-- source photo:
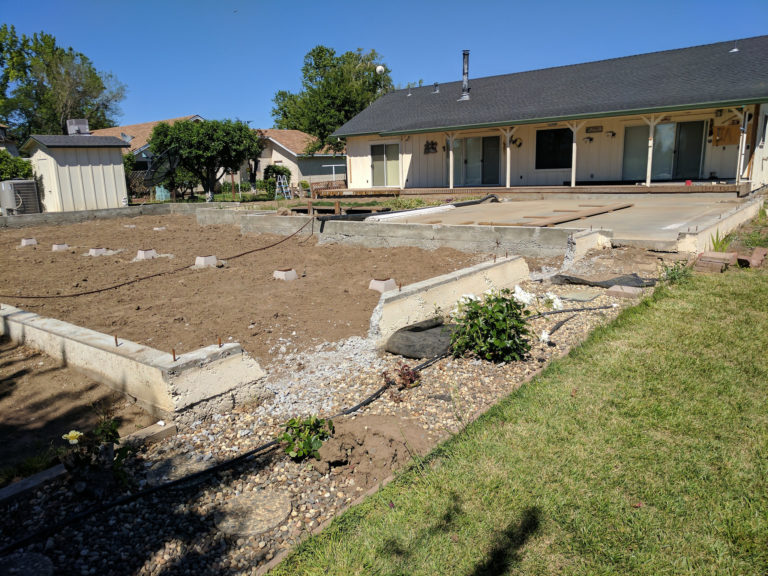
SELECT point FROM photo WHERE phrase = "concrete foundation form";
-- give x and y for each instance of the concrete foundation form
(416, 302)
(190, 386)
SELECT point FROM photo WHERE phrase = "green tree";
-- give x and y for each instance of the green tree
(42, 85)
(208, 148)
(13, 167)
(334, 89)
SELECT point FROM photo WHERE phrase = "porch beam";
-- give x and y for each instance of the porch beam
(575, 127)
(507, 133)
(652, 121)
(451, 136)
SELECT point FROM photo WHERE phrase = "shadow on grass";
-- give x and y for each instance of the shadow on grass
(505, 550)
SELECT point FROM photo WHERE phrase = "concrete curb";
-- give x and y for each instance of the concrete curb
(699, 241)
(201, 381)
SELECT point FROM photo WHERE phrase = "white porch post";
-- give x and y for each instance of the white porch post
(743, 117)
(507, 133)
(574, 129)
(652, 121)
(451, 136)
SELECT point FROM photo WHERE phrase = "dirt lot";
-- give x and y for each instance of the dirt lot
(192, 308)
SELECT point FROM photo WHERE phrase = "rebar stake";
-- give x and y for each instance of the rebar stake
(116, 344)
(219, 341)
(173, 351)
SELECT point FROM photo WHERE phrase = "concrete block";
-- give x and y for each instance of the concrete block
(205, 262)
(59, 248)
(286, 274)
(382, 285)
(704, 266)
(150, 434)
(97, 251)
(146, 254)
(158, 228)
(28, 242)
(729, 258)
(624, 291)
(129, 225)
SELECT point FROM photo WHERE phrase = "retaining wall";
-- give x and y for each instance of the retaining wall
(416, 302)
(701, 240)
(200, 382)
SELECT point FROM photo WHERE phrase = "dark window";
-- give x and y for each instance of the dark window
(553, 148)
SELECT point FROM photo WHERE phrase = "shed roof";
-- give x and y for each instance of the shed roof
(74, 141)
(701, 76)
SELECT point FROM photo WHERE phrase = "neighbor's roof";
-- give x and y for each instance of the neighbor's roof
(139, 132)
(75, 141)
(687, 78)
(294, 141)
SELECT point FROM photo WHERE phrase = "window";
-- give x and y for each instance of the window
(553, 149)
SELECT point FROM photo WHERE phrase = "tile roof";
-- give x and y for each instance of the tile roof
(709, 75)
(294, 140)
(79, 141)
(140, 132)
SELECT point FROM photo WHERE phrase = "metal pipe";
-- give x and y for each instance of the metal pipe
(465, 77)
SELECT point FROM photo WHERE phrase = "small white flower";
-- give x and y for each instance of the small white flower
(554, 299)
(523, 297)
(468, 298)
(544, 337)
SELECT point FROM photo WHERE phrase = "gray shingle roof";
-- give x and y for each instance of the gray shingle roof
(684, 78)
(78, 141)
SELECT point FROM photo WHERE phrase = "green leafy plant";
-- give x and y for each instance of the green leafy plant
(404, 377)
(493, 329)
(676, 273)
(720, 243)
(304, 438)
(91, 454)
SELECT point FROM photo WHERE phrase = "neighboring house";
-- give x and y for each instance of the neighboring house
(695, 113)
(137, 136)
(287, 148)
(6, 142)
(78, 172)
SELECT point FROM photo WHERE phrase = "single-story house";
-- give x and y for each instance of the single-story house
(696, 113)
(287, 148)
(6, 142)
(78, 172)
(137, 136)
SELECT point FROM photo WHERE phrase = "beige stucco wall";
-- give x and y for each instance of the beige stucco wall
(80, 178)
(600, 159)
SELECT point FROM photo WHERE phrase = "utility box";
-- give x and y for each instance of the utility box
(19, 197)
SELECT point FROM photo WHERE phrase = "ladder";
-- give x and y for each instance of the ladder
(281, 187)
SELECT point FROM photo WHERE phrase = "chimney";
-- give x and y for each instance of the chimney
(78, 127)
(465, 77)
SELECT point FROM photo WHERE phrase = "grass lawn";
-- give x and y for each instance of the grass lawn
(645, 451)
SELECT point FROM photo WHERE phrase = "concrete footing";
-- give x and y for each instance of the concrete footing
(28, 242)
(382, 285)
(205, 262)
(146, 254)
(97, 251)
(286, 274)
(417, 302)
(198, 383)
(59, 248)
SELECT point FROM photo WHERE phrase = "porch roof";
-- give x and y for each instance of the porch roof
(708, 76)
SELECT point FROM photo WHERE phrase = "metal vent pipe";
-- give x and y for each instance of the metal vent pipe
(465, 77)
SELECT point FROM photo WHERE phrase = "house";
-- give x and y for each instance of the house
(78, 172)
(7, 142)
(690, 114)
(137, 136)
(287, 148)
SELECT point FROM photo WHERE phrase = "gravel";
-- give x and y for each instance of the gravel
(174, 531)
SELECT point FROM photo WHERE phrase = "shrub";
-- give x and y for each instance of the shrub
(12, 167)
(304, 438)
(272, 171)
(304, 185)
(493, 329)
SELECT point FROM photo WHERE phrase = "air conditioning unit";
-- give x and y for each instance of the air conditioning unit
(19, 197)
(78, 126)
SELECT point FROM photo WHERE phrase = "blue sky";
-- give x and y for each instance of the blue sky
(226, 59)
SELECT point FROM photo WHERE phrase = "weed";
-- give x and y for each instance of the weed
(304, 438)
(720, 243)
(676, 273)
(405, 377)
(493, 329)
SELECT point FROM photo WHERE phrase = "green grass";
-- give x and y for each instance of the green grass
(645, 451)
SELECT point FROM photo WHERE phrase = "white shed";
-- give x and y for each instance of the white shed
(78, 172)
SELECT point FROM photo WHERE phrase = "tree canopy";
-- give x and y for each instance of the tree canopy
(208, 148)
(42, 85)
(334, 89)
(12, 167)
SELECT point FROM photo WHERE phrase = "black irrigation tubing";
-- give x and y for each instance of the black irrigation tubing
(136, 280)
(551, 312)
(560, 324)
(250, 454)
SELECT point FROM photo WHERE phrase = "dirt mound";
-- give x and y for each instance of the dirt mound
(374, 446)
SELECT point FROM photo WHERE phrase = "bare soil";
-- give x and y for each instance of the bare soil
(40, 400)
(192, 308)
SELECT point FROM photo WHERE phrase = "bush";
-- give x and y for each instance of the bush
(272, 171)
(12, 167)
(305, 437)
(304, 185)
(493, 329)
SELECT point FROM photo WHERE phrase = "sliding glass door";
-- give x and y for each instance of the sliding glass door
(677, 151)
(385, 165)
(475, 161)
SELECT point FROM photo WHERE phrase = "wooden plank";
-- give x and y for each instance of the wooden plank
(580, 215)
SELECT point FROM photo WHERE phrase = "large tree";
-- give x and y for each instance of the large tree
(42, 85)
(208, 148)
(334, 89)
